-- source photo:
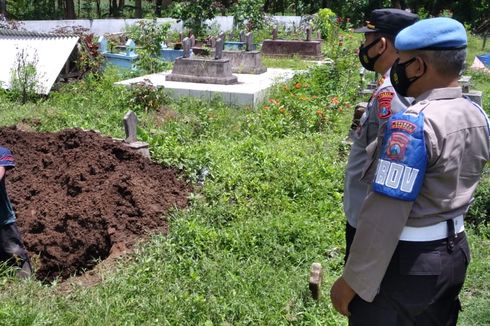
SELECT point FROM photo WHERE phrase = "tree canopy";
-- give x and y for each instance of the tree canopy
(472, 12)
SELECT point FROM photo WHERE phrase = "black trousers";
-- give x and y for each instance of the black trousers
(12, 250)
(350, 232)
(420, 287)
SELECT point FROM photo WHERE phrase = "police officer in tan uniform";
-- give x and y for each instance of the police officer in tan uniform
(376, 54)
(409, 256)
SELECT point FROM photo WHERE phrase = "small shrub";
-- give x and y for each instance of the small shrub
(144, 96)
(24, 78)
(149, 36)
(249, 14)
(479, 213)
(325, 22)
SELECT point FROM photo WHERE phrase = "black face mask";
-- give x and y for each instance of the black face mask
(398, 76)
(366, 61)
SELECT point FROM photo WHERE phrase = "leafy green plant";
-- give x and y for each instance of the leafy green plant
(149, 37)
(147, 97)
(24, 79)
(249, 14)
(479, 213)
(195, 13)
(324, 20)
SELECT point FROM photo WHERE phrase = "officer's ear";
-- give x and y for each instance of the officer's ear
(421, 66)
(383, 44)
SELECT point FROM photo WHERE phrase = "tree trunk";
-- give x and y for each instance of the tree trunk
(61, 6)
(97, 5)
(158, 7)
(115, 9)
(120, 6)
(3, 8)
(70, 9)
(396, 4)
(138, 10)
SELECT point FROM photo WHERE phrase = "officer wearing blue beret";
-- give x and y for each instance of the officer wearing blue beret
(409, 256)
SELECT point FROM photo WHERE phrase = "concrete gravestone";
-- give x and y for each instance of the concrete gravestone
(130, 122)
(219, 49)
(186, 44)
(242, 37)
(203, 70)
(274, 33)
(287, 48)
(308, 34)
(249, 41)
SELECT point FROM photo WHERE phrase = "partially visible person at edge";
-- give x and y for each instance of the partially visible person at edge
(376, 54)
(409, 256)
(12, 250)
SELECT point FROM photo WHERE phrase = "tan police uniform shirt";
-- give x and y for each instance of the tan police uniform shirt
(458, 147)
(384, 101)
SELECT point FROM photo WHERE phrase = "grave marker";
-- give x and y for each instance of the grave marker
(250, 41)
(218, 54)
(103, 44)
(274, 33)
(243, 37)
(130, 122)
(222, 36)
(186, 44)
(130, 48)
(308, 33)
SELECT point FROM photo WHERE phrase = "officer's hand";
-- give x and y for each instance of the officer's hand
(341, 295)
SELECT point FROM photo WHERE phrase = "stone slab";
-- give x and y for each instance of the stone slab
(197, 70)
(245, 62)
(289, 48)
(250, 90)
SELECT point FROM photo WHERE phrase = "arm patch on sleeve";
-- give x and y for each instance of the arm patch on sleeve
(403, 158)
(6, 157)
(384, 103)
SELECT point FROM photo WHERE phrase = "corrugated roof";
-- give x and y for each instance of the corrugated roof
(19, 33)
(47, 51)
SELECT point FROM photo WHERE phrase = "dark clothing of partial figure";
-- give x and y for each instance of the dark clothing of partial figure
(12, 250)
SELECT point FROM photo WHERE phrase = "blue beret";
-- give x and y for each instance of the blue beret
(439, 33)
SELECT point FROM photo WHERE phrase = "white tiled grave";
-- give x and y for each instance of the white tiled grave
(251, 90)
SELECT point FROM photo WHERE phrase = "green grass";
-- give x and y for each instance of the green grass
(240, 254)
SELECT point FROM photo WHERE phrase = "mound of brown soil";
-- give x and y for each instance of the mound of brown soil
(79, 195)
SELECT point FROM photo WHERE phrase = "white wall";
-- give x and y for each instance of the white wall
(101, 26)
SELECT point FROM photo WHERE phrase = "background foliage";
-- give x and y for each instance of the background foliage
(472, 12)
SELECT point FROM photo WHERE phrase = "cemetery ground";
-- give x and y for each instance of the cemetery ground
(265, 192)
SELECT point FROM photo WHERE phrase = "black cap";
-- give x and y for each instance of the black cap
(389, 21)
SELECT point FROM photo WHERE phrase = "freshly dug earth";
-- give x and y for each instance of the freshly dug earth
(79, 197)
